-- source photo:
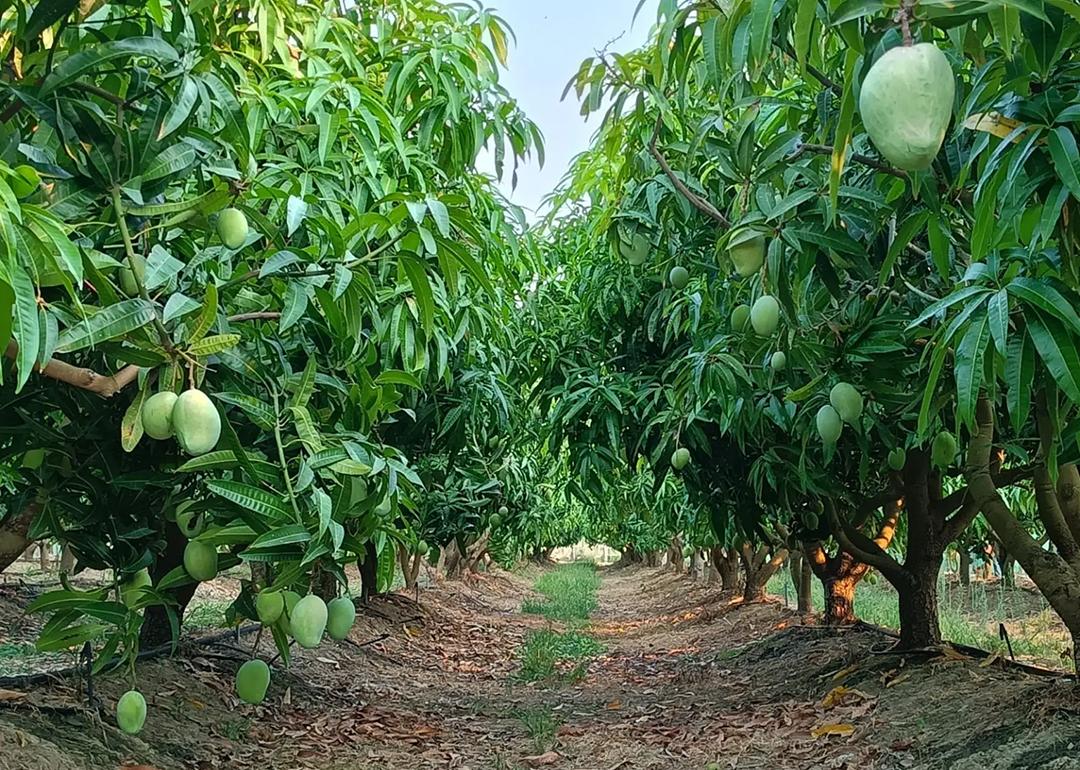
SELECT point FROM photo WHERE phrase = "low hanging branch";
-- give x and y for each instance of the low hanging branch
(696, 200)
(866, 160)
(106, 385)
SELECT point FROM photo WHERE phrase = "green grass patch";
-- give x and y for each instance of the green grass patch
(540, 725)
(972, 620)
(569, 597)
(206, 615)
(544, 656)
(569, 593)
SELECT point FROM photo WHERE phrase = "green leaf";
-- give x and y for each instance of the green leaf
(804, 26)
(910, 227)
(249, 497)
(295, 212)
(948, 301)
(207, 316)
(296, 302)
(305, 386)
(425, 297)
(441, 216)
(1047, 299)
(1057, 348)
(1063, 150)
(216, 343)
(25, 325)
(93, 57)
(277, 262)
(286, 535)
(261, 413)
(131, 427)
(398, 377)
(1019, 375)
(998, 311)
(169, 161)
(108, 323)
(969, 368)
(181, 108)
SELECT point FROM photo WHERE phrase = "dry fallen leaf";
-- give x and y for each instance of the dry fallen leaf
(6, 695)
(832, 729)
(540, 760)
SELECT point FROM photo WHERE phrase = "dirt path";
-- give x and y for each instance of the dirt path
(687, 679)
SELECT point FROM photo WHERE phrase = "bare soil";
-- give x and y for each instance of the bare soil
(689, 678)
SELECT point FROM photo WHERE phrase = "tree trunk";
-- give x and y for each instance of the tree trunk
(43, 555)
(369, 572)
(156, 628)
(410, 567)
(726, 562)
(13, 533)
(629, 555)
(840, 600)
(919, 610)
(965, 568)
(653, 559)
(804, 592)
(675, 554)
(758, 567)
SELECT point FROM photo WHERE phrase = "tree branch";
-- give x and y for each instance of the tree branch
(263, 315)
(104, 385)
(696, 201)
(867, 551)
(817, 74)
(866, 160)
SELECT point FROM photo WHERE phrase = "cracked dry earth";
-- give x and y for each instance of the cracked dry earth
(688, 678)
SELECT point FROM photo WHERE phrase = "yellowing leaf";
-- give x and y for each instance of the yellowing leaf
(840, 729)
(993, 123)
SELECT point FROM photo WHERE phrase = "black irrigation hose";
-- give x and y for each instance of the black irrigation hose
(22, 681)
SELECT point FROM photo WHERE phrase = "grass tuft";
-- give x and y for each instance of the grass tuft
(570, 596)
(569, 593)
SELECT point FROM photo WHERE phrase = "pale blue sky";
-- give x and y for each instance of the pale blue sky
(553, 36)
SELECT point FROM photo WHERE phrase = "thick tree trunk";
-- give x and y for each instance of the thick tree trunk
(654, 558)
(629, 555)
(758, 567)
(726, 562)
(840, 600)
(965, 568)
(919, 610)
(156, 628)
(13, 533)
(1056, 572)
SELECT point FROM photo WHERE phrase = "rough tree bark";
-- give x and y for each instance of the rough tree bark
(965, 567)
(1056, 572)
(758, 566)
(840, 573)
(726, 562)
(13, 532)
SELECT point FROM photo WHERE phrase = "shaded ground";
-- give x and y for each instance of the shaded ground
(688, 678)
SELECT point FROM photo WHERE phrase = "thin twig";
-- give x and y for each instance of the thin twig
(129, 250)
(696, 201)
(817, 74)
(866, 160)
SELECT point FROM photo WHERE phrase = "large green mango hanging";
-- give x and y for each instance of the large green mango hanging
(906, 103)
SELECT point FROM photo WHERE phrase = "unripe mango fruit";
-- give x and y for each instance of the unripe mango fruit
(232, 227)
(196, 422)
(156, 415)
(131, 712)
(269, 605)
(201, 561)
(252, 679)
(308, 621)
(341, 613)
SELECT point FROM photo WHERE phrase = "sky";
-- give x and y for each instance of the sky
(553, 36)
